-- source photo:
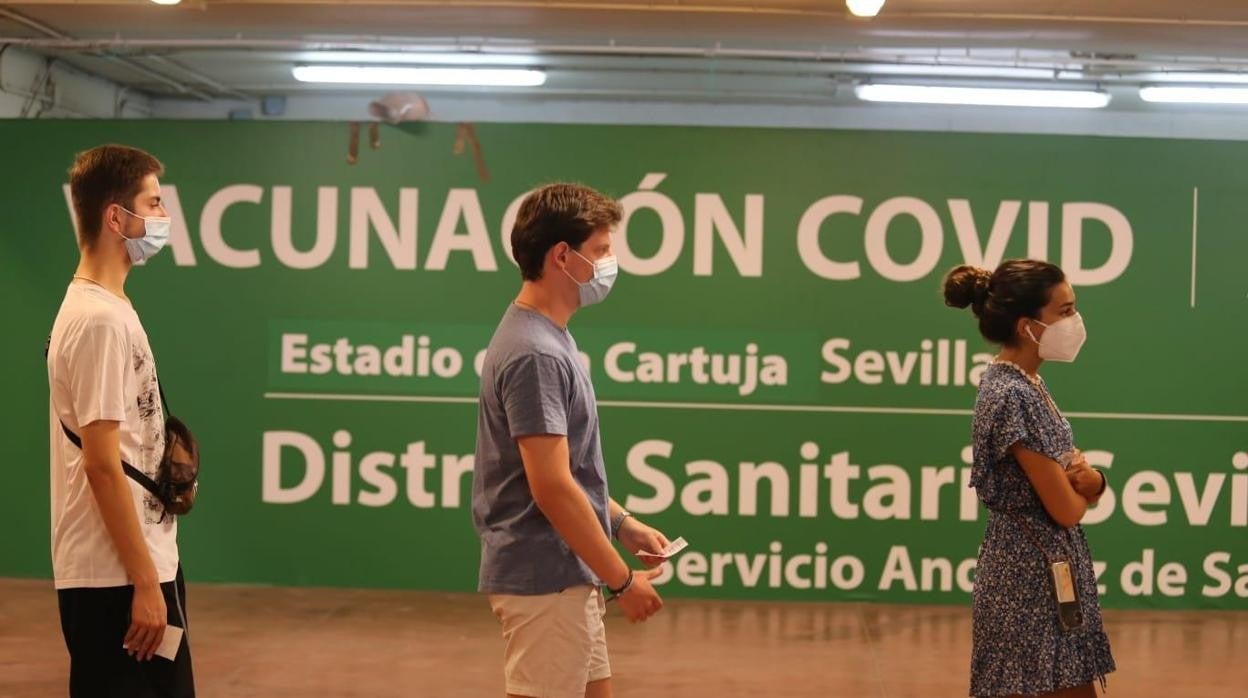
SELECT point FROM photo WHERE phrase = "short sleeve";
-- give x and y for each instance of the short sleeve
(1003, 418)
(1006, 421)
(535, 391)
(96, 360)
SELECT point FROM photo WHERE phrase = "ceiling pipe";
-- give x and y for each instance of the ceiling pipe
(695, 7)
(937, 57)
(56, 35)
(197, 76)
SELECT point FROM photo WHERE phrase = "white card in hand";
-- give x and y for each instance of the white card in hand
(674, 547)
(171, 642)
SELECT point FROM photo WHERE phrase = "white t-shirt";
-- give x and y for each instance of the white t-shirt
(100, 367)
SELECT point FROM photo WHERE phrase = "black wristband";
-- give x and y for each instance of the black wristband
(628, 583)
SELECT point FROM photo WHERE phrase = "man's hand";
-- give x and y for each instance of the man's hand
(638, 538)
(147, 622)
(641, 600)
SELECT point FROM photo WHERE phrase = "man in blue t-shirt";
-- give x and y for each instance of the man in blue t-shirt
(539, 491)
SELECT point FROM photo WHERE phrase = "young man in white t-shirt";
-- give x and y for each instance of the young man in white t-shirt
(114, 550)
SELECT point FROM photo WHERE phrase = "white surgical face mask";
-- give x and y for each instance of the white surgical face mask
(156, 234)
(605, 272)
(1062, 340)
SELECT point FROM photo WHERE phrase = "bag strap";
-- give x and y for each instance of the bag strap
(132, 472)
(1031, 535)
(163, 400)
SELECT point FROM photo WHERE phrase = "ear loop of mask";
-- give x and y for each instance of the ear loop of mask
(129, 214)
(593, 268)
(1029, 332)
(142, 218)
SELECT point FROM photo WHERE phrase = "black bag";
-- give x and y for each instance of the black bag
(177, 476)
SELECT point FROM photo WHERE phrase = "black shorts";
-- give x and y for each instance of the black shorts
(95, 622)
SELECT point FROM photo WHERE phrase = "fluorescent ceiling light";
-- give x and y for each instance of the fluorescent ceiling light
(1195, 95)
(983, 96)
(166, 2)
(1210, 78)
(418, 57)
(397, 75)
(864, 8)
(953, 71)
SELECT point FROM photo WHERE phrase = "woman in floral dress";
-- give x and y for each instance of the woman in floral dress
(1036, 486)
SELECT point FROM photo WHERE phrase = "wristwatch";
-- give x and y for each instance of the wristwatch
(617, 521)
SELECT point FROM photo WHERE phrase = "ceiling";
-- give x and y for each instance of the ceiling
(773, 50)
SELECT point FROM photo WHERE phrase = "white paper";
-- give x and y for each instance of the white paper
(674, 547)
(170, 644)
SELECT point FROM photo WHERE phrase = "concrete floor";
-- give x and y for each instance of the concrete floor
(279, 642)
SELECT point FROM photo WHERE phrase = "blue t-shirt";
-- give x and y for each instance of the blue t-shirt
(532, 383)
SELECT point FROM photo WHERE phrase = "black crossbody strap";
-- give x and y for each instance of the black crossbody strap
(132, 472)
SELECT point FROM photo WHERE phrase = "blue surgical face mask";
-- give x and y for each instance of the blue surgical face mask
(156, 229)
(605, 272)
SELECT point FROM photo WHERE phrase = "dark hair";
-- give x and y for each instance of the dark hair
(108, 174)
(1018, 288)
(558, 213)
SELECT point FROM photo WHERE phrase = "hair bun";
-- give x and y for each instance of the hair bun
(966, 285)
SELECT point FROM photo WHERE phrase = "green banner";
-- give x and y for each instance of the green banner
(779, 381)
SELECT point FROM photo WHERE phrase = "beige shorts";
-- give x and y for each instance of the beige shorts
(554, 643)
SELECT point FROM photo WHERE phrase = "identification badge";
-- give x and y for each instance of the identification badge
(1069, 614)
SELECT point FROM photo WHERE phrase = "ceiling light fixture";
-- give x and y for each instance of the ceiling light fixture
(1195, 95)
(1192, 77)
(983, 96)
(397, 75)
(952, 71)
(471, 58)
(864, 8)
